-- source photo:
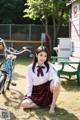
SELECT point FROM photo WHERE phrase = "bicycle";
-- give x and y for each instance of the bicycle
(6, 74)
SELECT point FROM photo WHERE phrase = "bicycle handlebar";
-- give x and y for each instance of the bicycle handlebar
(16, 52)
(12, 50)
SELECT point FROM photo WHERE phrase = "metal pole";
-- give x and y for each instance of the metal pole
(29, 31)
(10, 36)
(10, 32)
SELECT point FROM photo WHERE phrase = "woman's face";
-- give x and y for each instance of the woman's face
(41, 57)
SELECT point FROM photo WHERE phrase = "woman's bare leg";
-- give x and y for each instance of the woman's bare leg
(28, 103)
(55, 96)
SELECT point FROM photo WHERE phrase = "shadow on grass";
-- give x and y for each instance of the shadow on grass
(70, 85)
(24, 61)
(13, 98)
(7, 115)
(42, 114)
(17, 76)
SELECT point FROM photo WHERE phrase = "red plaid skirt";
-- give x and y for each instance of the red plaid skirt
(41, 95)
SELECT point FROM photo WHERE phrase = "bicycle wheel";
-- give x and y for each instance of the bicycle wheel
(2, 82)
(5, 85)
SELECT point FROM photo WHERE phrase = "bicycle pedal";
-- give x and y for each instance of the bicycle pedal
(14, 84)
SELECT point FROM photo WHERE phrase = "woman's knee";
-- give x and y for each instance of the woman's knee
(23, 104)
(26, 103)
(52, 86)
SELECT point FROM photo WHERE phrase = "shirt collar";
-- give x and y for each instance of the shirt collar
(41, 65)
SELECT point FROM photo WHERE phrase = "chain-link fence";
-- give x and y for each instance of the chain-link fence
(27, 32)
(24, 32)
(27, 35)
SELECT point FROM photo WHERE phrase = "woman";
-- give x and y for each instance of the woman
(43, 85)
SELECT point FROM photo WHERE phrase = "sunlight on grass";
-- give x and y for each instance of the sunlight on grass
(68, 103)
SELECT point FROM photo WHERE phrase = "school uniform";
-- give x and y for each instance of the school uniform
(38, 84)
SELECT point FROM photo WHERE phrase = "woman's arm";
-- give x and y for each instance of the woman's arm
(29, 82)
(53, 74)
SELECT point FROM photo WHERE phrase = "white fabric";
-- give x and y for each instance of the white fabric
(33, 79)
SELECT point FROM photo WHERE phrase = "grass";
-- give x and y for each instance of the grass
(68, 103)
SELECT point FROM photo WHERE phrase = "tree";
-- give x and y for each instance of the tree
(43, 9)
(11, 11)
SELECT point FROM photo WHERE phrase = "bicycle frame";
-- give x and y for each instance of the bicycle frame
(7, 71)
(8, 68)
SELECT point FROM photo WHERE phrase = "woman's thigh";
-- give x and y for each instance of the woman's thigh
(52, 86)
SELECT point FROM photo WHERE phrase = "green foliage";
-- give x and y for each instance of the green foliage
(46, 8)
(11, 11)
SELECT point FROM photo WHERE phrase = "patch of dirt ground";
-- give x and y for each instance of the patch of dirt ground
(11, 101)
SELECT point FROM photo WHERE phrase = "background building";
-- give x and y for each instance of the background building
(75, 23)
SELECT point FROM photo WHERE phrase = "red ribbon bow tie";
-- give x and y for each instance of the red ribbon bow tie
(40, 71)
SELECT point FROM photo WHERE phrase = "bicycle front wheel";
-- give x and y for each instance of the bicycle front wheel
(5, 85)
(2, 82)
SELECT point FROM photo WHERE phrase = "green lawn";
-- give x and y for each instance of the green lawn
(68, 103)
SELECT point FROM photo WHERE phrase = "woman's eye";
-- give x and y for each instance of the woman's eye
(45, 56)
(41, 55)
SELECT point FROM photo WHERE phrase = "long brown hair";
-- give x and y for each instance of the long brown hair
(38, 50)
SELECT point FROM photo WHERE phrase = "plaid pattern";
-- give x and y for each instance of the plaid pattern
(41, 95)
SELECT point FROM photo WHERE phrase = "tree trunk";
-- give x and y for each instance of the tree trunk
(48, 36)
(54, 31)
(56, 28)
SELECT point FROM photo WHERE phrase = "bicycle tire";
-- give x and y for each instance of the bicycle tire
(5, 85)
(2, 82)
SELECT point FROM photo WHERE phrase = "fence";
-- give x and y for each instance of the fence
(22, 32)
(27, 32)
